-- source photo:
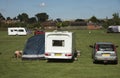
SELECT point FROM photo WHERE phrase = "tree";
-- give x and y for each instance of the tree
(116, 19)
(42, 17)
(93, 19)
(1, 17)
(23, 17)
(58, 20)
(32, 20)
(79, 20)
(15, 18)
(8, 18)
(59, 23)
(66, 23)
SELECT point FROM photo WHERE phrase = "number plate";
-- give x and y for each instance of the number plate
(106, 55)
(58, 54)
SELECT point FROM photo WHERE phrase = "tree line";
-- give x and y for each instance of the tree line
(31, 22)
(23, 20)
(115, 20)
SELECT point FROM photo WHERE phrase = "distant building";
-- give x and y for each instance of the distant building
(78, 23)
(49, 25)
(93, 26)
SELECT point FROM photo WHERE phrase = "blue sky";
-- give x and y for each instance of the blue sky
(64, 9)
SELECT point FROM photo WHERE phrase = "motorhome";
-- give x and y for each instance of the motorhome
(59, 45)
(17, 31)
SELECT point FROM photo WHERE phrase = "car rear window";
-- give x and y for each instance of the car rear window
(106, 47)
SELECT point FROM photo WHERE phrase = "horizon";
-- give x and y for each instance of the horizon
(64, 9)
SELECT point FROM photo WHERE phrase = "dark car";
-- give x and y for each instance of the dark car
(104, 51)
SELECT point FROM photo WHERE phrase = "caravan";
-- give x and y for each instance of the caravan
(59, 45)
(17, 31)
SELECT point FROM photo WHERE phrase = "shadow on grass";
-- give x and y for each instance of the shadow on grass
(59, 61)
(33, 59)
(105, 63)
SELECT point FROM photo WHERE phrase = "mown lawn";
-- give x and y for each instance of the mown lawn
(83, 68)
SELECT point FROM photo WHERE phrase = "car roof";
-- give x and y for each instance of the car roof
(103, 43)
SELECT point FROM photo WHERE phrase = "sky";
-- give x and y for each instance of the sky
(64, 9)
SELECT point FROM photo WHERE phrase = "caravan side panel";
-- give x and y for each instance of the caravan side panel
(12, 31)
(17, 31)
(22, 31)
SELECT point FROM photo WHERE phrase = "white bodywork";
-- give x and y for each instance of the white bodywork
(118, 28)
(59, 45)
(17, 31)
(115, 28)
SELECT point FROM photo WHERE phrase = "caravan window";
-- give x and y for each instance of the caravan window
(21, 30)
(58, 43)
(11, 30)
(15, 30)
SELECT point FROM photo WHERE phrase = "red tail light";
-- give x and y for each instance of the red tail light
(97, 48)
(68, 54)
(47, 54)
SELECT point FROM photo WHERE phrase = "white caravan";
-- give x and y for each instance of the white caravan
(113, 29)
(17, 31)
(59, 45)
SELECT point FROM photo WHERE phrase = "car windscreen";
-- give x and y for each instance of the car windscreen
(106, 47)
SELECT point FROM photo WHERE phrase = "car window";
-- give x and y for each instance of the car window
(105, 47)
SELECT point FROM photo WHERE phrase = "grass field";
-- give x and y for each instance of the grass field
(83, 68)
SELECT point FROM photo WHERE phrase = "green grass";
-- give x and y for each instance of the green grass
(83, 68)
